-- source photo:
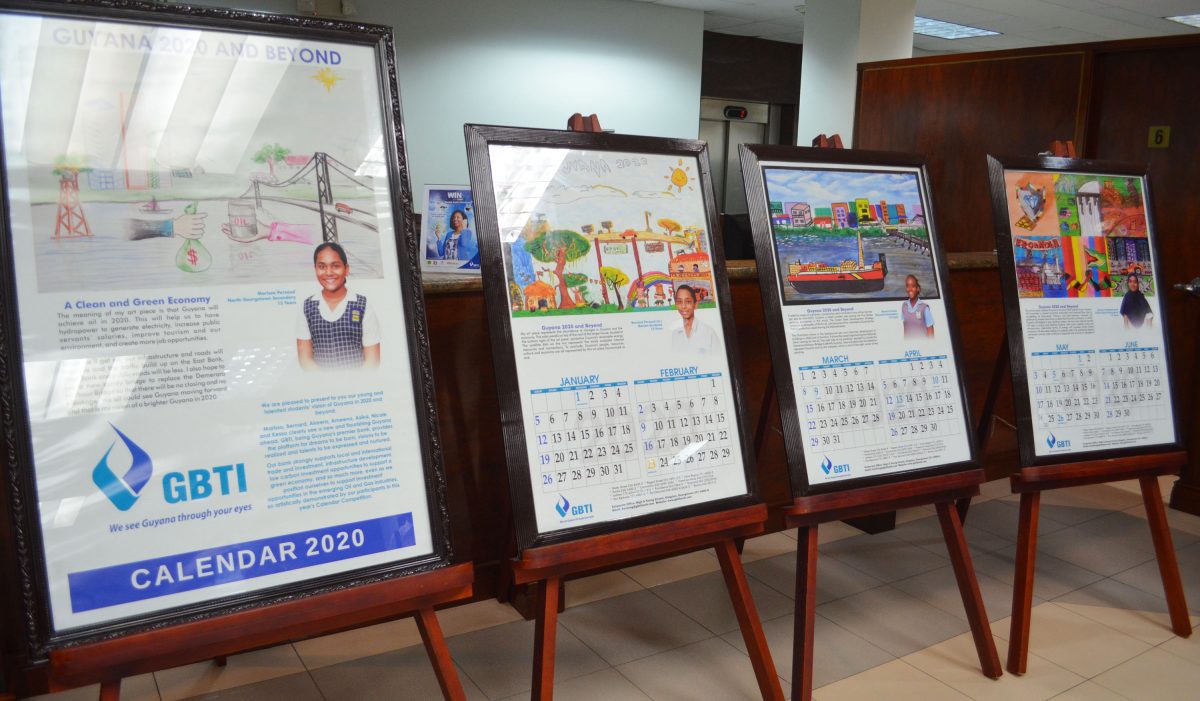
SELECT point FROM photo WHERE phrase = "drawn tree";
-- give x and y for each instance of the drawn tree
(514, 293)
(578, 282)
(271, 154)
(559, 246)
(671, 226)
(615, 277)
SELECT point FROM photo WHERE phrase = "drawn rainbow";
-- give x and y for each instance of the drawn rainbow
(647, 280)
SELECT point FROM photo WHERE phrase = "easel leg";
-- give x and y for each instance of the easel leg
(544, 639)
(110, 691)
(968, 587)
(987, 417)
(806, 612)
(747, 615)
(1164, 551)
(1018, 641)
(439, 654)
(764, 413)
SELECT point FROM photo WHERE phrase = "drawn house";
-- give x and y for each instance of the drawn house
(863, 209)
(539, 295)
(801, 214)
(693, 270)
(823, 218)
(841, 215)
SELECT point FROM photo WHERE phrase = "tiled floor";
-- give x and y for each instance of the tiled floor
(890, 623)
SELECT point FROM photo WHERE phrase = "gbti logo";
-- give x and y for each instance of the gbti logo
(123, 491)
(562, 507)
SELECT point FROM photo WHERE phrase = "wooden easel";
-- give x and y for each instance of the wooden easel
(110, 661)
(943, 491)
(548, 565)
(1030, 482)
(987, 417)
(948, 493)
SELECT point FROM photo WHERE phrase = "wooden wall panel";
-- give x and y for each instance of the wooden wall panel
(748, 68)
(956, 112)
(1105, 96)
(1133, 91)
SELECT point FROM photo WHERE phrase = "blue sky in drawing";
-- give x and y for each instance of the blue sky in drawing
(820, 188)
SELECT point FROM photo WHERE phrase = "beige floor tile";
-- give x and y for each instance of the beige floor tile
(599, 586)
(139, 688)
(673, 569)
(1153, 676)
(836, 530)
(475, 616)
(1187, 648)
(894, 681)
(1178, 520)
(956, 663)
(1079, 644)
(709, 669)
(1089, 691)
(1148, 626)
(768, 545)
(993, 490)
(916, 512)
(247, 668)
(360, 642)
(1165, 483)
(1091, 496)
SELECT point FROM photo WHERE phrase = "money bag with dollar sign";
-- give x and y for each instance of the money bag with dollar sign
(192, 257)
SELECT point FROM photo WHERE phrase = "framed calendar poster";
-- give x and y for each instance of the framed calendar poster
(859, 321)
(1087, 331)
(611, 330)
(214, 360)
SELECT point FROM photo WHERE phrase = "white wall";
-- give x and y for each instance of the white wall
(829, 70)
(532, 63)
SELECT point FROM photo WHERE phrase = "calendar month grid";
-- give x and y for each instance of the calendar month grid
(869, 403)
(1097, 386)
(615, 432)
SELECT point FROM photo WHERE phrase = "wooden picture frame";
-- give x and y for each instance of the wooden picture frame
(684, 164)
(778, 294)
(277, 56)
(1088, 219)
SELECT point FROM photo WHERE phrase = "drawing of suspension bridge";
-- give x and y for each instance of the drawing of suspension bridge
(320, 166)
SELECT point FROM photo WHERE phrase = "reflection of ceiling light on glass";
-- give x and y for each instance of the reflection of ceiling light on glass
(1189, 20)
(948, 30)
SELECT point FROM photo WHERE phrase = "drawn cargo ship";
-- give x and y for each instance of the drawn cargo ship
(850, 276)
(151, 221)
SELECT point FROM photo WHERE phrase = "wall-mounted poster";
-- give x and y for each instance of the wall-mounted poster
(611, 328)
(853, 284)
(213, 334)
(448, 238)
(1086, 330)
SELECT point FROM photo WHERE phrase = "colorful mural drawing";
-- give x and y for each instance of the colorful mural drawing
(1095, 236)
(852, 234)
(576, 275)
(1039, 266)
(144, 191)
(601, 233)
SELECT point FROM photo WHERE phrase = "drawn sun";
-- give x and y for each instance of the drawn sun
(679, 177)
(327, 77)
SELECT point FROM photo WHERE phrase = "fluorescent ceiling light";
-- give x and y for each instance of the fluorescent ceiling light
(948, 30)
(1189, 20)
